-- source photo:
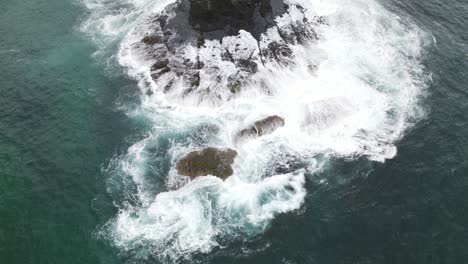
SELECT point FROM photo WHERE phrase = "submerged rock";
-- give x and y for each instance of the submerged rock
(288, 165)
(204, 133)
(261, 127)
(326, 113)
(209, 161)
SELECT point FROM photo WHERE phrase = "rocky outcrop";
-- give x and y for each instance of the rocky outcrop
(215, 46)
(230, 16)
(209, 161)
(261, 127)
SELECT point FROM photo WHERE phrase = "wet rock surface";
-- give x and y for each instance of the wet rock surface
(215, 46)
(209, 161)
(288, 165)
(261, 127)
(230, 16)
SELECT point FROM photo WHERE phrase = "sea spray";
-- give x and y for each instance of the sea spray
(361, 97)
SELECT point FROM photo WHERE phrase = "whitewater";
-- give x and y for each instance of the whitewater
(362, 97)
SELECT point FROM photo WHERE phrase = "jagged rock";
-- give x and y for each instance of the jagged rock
(261, 127)
(215, 46)
(209, 161)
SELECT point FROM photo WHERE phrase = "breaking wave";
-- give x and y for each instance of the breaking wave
(359, 100)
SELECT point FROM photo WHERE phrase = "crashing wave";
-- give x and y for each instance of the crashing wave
(345, 76)
(213, 60)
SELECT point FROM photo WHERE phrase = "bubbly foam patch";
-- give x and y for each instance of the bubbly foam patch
(358, 101)
(195, 216)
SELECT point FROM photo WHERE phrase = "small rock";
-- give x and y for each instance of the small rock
(262, 127)
(268, 125)
(209, 161)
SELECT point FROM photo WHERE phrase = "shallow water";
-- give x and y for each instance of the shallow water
(85, 161)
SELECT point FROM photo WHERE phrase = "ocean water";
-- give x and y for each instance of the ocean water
(87, 157)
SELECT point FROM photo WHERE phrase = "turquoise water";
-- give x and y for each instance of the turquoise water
(64, 119)
(57, 128)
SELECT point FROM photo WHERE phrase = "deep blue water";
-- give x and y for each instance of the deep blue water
(62, 122)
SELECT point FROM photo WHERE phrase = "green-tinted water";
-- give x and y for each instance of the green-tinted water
(59, 126)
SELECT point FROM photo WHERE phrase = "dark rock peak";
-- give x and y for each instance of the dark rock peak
(268, 125)
(230, 16)
(214, 47)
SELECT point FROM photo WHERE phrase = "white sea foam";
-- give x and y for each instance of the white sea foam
(358, 102)
(110, 20)
(190, 219)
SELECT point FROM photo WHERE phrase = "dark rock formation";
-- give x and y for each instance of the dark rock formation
(209, 161)
(215, 46)
(230, 16)
(260, 128)
(290, 164)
